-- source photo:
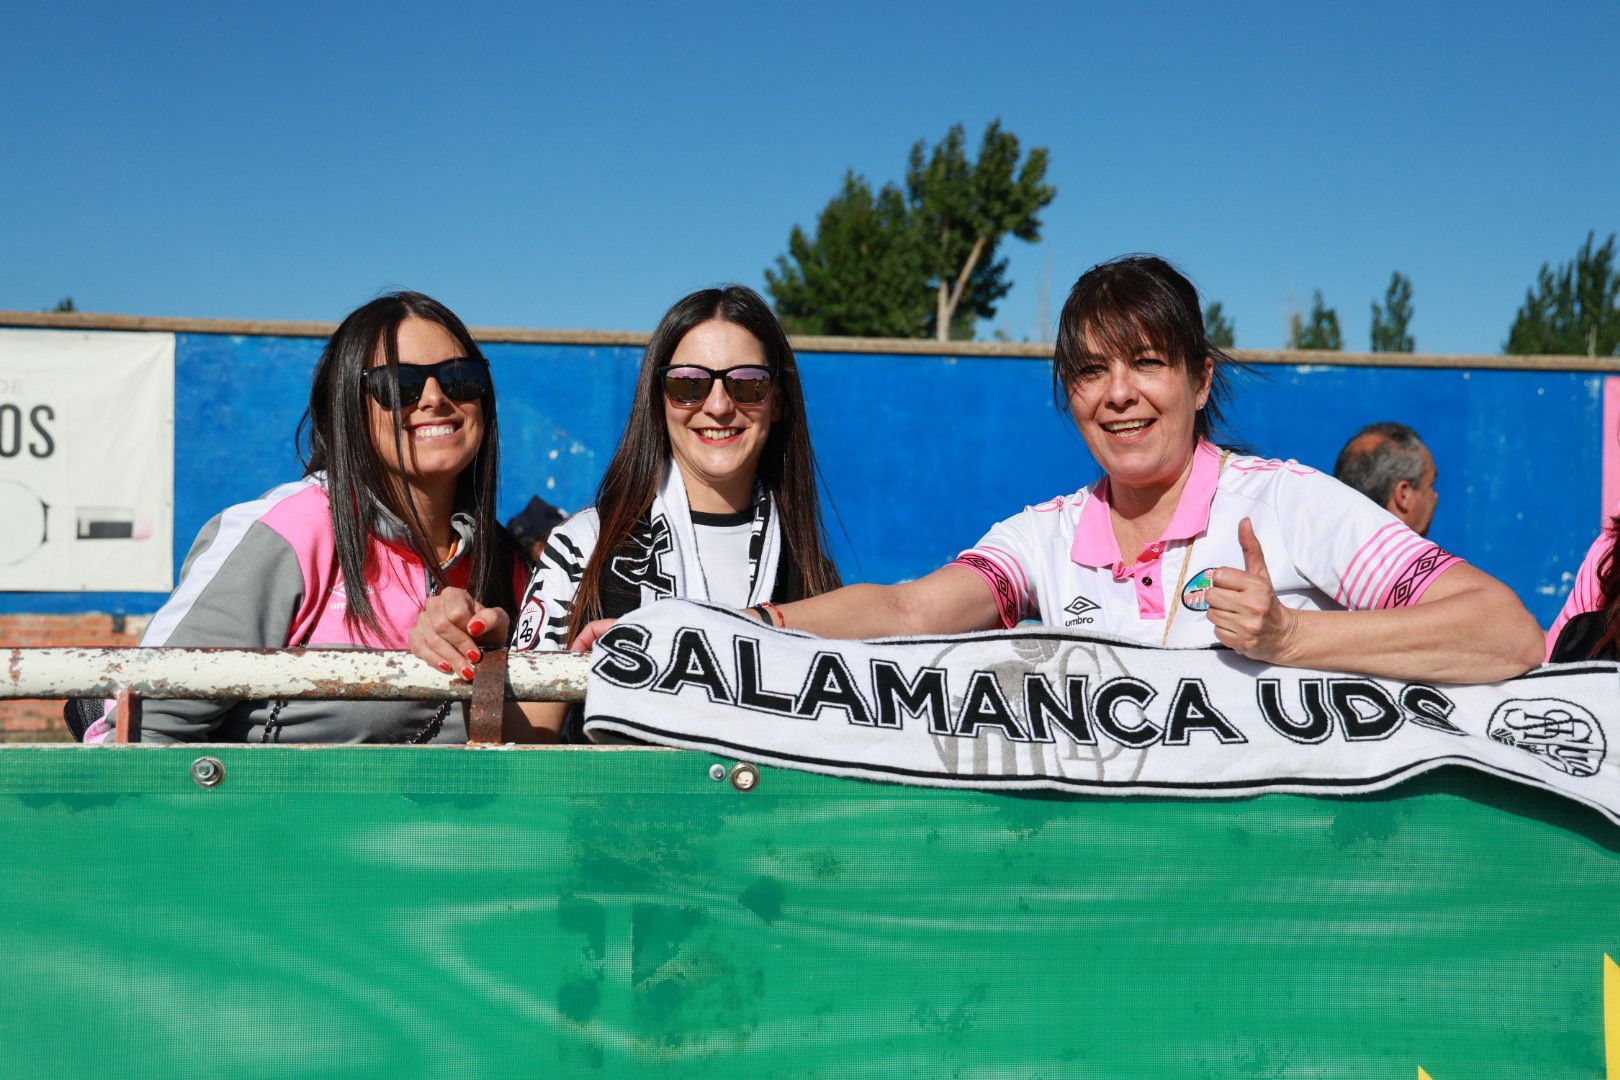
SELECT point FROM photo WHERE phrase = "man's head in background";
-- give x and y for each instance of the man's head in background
(533, 524)
(1389, 464)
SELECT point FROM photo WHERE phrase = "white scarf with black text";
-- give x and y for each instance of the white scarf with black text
(1047, 708)
(686, 569)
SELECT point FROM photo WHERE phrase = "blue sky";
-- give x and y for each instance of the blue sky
(585, 165)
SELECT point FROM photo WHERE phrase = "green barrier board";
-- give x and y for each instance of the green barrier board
(405, 912)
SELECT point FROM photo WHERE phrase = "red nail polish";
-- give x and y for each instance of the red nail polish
(474, 655)
(467, 673)
(475, 627)
(444, 667)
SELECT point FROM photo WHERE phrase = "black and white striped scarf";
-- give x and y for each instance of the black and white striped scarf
(1054, 709)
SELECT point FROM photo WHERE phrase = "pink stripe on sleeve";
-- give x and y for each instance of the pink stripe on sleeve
(1362, 560)
(989, 564)
(1383, 567)
(1416, 575)
(1010, 563)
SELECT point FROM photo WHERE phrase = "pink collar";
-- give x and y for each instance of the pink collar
(1094, 541)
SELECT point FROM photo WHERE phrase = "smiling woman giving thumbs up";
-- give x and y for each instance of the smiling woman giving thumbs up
(1151, 553)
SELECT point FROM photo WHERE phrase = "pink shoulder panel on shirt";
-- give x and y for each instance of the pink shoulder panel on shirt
(304, 521)
(1587, 592)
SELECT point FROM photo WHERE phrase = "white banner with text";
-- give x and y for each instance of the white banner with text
(86, 461)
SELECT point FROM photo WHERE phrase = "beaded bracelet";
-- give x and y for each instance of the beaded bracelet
(778, 620)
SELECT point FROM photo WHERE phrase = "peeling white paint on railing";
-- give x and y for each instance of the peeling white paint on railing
(332, 674)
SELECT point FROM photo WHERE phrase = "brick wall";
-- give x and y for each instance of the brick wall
(41, 721)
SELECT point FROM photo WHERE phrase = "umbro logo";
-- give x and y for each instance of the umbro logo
(1077, 610)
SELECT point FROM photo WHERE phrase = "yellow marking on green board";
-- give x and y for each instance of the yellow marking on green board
(1611, 1016)
(1611, 1021)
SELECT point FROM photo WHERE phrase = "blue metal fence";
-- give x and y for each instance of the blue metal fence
(921, 453)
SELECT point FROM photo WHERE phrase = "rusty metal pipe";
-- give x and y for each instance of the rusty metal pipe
(326, 674)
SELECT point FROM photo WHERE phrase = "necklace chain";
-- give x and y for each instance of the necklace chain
(435, 724)
(1186, 561)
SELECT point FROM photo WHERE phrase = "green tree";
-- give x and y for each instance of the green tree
(65, 304)
(961, 210)
(935, 243)
(1573, 311)
(1390, 322)
(859, 275)
(1218, 327)
(1318, 330)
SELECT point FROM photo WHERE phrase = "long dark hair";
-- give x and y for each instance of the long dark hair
(787, 468)
(358, 481)
(1130, 301)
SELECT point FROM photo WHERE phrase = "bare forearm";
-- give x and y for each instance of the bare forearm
(951, 600)
(1476, 636)
(855, 611)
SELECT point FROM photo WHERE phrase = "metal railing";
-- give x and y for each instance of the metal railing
(130, 675)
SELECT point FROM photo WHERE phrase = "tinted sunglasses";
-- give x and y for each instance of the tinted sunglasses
(689, 384)
(462, 378)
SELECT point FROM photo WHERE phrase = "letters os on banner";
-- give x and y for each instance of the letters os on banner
(86, 461)
(1044, 708)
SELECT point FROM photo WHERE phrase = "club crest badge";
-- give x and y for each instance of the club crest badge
(1195, 597)
(1561, 733)
(530, 622)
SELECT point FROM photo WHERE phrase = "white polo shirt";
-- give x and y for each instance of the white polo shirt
(1327, 548)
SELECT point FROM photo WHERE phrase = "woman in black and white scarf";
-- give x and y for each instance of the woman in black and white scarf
(711, 495)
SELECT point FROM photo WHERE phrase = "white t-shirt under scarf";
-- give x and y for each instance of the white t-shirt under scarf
(722, 541)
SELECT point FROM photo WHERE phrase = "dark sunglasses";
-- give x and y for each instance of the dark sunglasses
(689, 384)
(462, 378)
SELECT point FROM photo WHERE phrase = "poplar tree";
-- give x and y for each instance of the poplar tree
(1217, 327)
(1390, 322)
(1574, 310)
(962, 209)
(1320, 328)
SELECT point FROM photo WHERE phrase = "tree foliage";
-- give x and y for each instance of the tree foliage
(1217, 327)
(859, 275)
(1574, 310)
(1318, 330)
(1391, 320)
(934, 243)
(962, 209)
(65, 304)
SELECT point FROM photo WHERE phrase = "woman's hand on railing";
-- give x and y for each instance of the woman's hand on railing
(453, 630)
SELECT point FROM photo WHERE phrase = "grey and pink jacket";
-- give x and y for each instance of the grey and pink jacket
(264, 574)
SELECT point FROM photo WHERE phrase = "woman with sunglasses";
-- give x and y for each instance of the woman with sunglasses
(711, 495)
(398, 495)
(1185, 544)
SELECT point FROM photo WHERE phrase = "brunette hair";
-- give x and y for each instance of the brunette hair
(787, 468)
(358, 482)
(1136, 300)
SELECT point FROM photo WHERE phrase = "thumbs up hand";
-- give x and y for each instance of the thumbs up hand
(1243, 606)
